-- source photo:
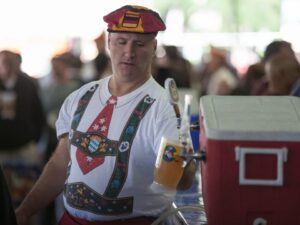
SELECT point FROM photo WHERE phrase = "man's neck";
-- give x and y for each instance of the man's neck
(118, 88)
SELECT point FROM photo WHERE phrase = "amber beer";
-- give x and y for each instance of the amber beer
(169, 164)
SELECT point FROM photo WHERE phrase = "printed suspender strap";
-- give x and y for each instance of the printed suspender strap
(82, 104)
(120, 171)
(81, 196)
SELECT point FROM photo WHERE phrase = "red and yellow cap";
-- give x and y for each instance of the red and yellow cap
(134, 19)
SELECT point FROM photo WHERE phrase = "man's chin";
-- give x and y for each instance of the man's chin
(127, 70)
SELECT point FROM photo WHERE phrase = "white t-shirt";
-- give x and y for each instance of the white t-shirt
(159, 120)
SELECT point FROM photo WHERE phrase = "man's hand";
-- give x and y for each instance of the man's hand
(21, 217)
(188, 175)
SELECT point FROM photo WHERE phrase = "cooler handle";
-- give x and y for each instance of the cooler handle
(240, 155)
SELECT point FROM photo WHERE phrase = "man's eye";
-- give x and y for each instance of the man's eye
(140, 44)
(121, 41)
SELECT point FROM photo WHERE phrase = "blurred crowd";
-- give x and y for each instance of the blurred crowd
(275, 73)
(29, 106)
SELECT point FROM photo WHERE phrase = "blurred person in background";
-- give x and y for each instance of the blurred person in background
(282, 74)
(217, 75)
(109, 134)
(173, 65)
(276, 47)
(250, 79)
(54, 88)
(21, 113)
(100, 66)
(273, 48)
(22, 121)
(102, 61)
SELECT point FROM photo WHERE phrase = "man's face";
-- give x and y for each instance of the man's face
(131, 54)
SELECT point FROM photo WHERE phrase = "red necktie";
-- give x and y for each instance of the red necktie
(100, 126)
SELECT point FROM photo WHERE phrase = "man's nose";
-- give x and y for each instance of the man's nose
(130, 50)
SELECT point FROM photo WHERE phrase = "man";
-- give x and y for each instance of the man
(21, 114)
(282, 73)
(109, 156)
(273, 48)
(22, 121)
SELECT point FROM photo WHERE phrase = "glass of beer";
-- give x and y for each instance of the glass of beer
(169, 164)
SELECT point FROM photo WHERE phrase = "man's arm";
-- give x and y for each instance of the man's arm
(49, 184)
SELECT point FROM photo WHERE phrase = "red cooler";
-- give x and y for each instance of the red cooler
(251, 174)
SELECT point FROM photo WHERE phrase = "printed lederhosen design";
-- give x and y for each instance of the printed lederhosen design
(81, 196)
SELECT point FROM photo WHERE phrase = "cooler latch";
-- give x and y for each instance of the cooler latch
(240, 155)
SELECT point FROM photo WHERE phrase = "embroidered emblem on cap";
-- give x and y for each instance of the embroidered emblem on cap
(131, 19)
(134, 19)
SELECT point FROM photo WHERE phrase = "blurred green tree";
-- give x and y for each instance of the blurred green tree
(236, 15)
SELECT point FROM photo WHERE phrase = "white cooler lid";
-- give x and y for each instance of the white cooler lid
(266, 118)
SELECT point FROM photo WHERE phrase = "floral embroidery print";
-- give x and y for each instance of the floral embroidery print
(80, 196)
